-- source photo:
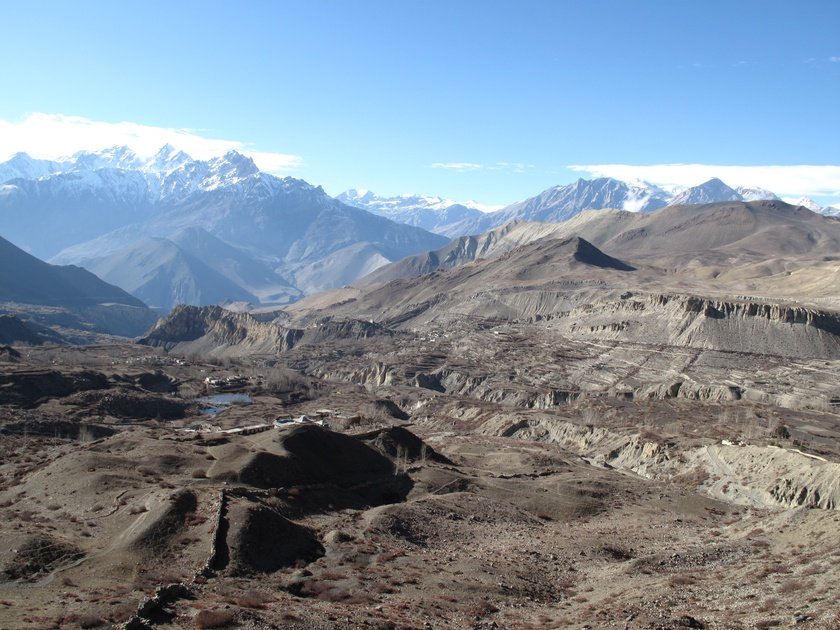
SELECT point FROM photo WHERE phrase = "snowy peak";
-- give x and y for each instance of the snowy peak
(368, 200)
(22, 166)
(359, 197)
(712, 191)
(429, 212)
(120, 157)
(755, 194)
(813, 206)
(167, 159)
(231, 168)
(562, 202)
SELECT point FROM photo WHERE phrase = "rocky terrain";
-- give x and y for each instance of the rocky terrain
(622, 421)
(433, 497)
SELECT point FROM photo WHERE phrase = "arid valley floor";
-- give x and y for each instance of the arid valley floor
(532, 435)
(598, 512)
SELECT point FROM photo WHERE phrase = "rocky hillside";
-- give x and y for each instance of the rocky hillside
(212, 330)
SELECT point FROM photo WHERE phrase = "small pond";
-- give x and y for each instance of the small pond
(220, 402)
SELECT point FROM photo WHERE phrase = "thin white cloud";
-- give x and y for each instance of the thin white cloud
(801, 180)
(459, 167)
(468, 167)
(834, 59)
(51, 136)
(513, 167)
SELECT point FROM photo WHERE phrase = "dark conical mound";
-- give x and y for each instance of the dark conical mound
(262, 540)
(586, 253)
(400, 442)
(308, 454)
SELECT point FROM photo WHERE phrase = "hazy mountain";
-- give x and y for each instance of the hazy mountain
(431, 213)
(163, 275)
(192, 267)
(258, 276)
(24, 278)
(764, 230)
(528, 269)
(253, 229)
(71, 296)
(21, 166)
(754, 194)
(711, 191)
(562, 202)
(807, 202)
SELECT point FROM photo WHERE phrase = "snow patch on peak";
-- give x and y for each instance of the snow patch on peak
(755, 194)
(807, 202)
(167, 159)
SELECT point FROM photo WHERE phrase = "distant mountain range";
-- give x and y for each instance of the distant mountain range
(172, 229)
(558, 203)
(524, 270)
(432, 213)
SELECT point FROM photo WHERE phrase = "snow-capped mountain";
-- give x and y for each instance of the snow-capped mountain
(560, 203)
(429, 212)
(563, 202)
(755, 194)
(807, 202)
(22, 166)
(278, 236)
(712, 191)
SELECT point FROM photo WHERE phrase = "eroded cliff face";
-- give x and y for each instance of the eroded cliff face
(755, 475)
(212, 328)
(693, 322)
(216, 331)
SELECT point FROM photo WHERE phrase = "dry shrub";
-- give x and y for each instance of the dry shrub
(191, 519)
(384, 589)
(483, 609)
(791, 586)
(681, 580)
(251, 599)
(199, 474)
(213, 619)
(695, 477)
(90, 621)
(122, 612)
(770, 569)
(771, 603)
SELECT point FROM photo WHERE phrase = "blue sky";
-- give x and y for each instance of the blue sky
(490, 100)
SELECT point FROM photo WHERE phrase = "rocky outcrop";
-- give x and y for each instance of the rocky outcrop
(214, 330)
(688, 321)
(762, 476)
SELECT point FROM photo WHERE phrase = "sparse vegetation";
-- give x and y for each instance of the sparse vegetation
(206, 619)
